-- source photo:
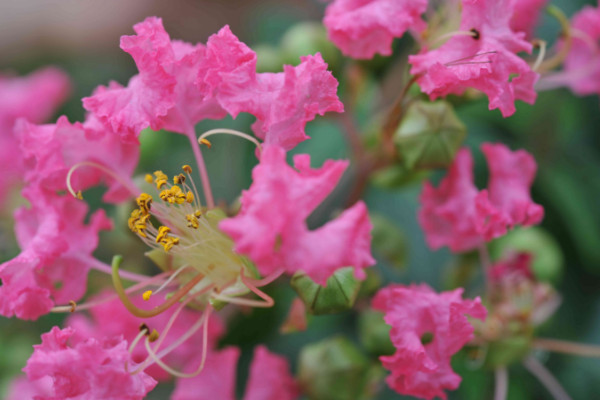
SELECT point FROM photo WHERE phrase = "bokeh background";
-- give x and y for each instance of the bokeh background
(560, 130)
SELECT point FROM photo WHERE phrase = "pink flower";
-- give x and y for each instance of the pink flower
(284, 102)
(91, 369)
(487, 61)
(269, 378)
(180, 84)
(582, 65)
(361, 28)
(271, 226)
(512, 269)
(459, 216)
(35, 98)
(56, 255)
(427, 329)
(526, 16)
(112, 319)
(51, 150)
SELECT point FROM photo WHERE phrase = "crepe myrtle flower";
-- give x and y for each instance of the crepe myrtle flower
(207, 261)
(427, 328)
(456, 214)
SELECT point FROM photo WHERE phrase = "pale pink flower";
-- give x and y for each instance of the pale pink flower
(271, 226)
(269, 378)
(56, 254)
(34, 97)
(526, 16)
(582, 65)
(180, 84)
(487, 61)
(457, 215)
(427, 329)
(361, 28)
(92, 369)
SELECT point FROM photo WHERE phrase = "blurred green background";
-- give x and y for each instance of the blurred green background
(560, 130)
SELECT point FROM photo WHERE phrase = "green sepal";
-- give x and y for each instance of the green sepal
(338, 295)
(429, 136)
(507, 351)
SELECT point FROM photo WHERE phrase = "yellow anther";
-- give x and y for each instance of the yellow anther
(197, 213)
(169, 242)
(179, 179)
(192, 221)
(163, 231)
(137, 222)
(146, 295)
(174, 195)
(79, 195)
(187, 168)
(189, 197)
(161, 179)
(73, 305)
(153, 337)
(148, 178)
(205, 142)
(144, 200)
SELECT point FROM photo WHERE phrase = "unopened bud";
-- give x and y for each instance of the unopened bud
(338, 295)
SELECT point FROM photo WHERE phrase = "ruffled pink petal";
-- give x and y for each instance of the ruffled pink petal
(51, 150)
(271, 226)
(414, 312)
(56, 252)
(511, 177)
(34, 98)
(361, 28)
(448, 213)
(90, 369)
(488, 62)
(270, 378)
(216, 381)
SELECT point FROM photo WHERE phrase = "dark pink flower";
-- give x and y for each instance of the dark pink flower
(457, 215)
(427, 329)
(269, 378)
(93, 369)
(487, 61)
(271, 226)
(180, 84)
(361, 28)
(512, 269)
(111, 319)
(23, 389)
(526, 16)
(35, 98)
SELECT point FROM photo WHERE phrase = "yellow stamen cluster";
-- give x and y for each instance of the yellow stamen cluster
(164, 239)
(193, 219)
(138, 221)
(161, 179)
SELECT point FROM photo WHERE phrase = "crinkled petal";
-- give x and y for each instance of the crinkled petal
(91, 369)
(421, 368)
(271, 226)
(361, 28)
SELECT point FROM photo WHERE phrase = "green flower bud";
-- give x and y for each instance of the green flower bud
(507, 351)
(334, 369)
(429, 136)
(339, 294)
(548, 259)
(374, 333)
